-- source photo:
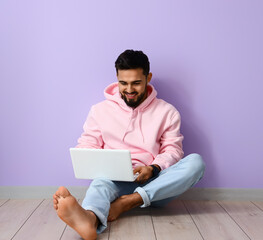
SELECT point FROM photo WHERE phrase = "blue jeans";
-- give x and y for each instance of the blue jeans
(157, 191)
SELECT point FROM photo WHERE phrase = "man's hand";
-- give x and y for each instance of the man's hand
(145, 173)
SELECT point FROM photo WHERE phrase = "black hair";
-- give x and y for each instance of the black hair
(131, 59)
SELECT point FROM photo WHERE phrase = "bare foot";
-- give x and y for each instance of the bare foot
(68, 209)
(123, 204)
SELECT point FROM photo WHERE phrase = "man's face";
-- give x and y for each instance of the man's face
(133, 86)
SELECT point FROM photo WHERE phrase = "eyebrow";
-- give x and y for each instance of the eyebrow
(131, 81)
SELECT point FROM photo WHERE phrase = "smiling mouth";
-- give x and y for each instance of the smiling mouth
(130, 95)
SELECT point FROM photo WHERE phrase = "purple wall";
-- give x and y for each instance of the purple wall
(56, 57)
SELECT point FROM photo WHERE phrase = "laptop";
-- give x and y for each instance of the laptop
(112, 164)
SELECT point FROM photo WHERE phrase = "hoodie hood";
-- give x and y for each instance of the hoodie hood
(112, 93)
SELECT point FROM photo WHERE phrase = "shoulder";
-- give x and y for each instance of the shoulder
(99, 105)
(102, 108)
(166, 107)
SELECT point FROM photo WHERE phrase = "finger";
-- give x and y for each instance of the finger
(142, 177)
(139, 181)
(139, 178)
(143, 181)
(137, 169)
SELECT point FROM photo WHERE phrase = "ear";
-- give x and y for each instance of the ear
(149, 77)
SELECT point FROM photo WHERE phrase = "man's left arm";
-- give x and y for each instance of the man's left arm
(170, 144)
(170, 150)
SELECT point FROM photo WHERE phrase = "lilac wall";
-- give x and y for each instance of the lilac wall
(56, 57)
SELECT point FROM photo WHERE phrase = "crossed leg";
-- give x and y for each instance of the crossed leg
(170, 183)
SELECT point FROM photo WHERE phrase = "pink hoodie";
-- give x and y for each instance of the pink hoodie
(151, 131)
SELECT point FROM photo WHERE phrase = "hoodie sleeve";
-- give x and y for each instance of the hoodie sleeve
(171, 144)
(91, 137)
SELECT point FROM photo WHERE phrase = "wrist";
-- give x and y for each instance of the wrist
(156, 165)
(155, 170)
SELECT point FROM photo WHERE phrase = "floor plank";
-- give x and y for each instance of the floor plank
(173, 222)
(43, 224)
(135, 224)
(213, 222)
(13, 215)
(247, 216)
(3, 201)
(259, 204)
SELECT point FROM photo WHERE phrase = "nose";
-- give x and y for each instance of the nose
(129, 88)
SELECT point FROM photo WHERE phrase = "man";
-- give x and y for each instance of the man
(131, 118)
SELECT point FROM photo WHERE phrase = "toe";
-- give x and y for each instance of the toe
(55, 201)
(57, 194)
(62, 191)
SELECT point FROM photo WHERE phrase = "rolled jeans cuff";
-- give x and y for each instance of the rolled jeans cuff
(145, 198)
(100, 216)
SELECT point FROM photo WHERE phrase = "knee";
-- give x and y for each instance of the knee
(197, 163)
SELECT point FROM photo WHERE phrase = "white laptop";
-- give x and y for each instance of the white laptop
(111, 164)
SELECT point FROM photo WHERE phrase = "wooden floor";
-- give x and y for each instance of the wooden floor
(193, 220)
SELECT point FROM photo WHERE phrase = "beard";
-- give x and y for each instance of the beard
(132, 103)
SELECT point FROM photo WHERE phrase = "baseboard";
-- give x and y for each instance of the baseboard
(239, 194)
(46, 192)
(37, 192)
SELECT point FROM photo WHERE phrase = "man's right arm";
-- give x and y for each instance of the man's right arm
(91, 137)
